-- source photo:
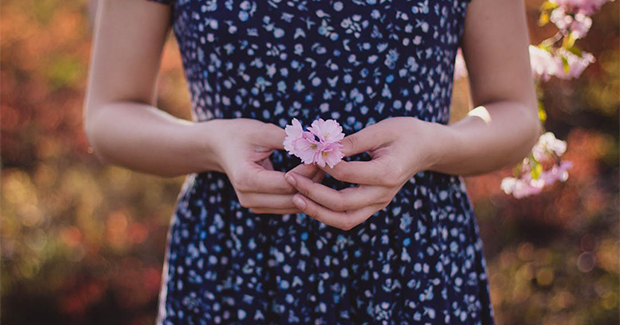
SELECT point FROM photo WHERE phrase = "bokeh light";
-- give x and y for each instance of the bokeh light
(84, 243)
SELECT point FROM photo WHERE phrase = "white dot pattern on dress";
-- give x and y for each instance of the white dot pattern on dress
(419, 260)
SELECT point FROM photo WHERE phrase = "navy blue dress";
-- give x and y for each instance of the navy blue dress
(418, 261)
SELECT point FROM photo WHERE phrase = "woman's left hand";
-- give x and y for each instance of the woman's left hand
(399, 147)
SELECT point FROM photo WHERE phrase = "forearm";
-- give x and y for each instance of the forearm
(143, 138)
(491, 137)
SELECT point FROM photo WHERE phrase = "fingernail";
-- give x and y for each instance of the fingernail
(299, 202)
(290, 179)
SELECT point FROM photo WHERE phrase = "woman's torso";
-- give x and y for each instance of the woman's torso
(358, 62)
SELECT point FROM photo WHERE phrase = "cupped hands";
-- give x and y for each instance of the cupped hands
(399, 148)
(241, 149)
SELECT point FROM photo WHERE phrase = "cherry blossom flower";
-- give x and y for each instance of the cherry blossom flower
(320, 144)
(581, 25)
(578, 24)
(526, 185)
(577, 64)
(306, 148)
(327, 131)
(293, 133)
(531, 177)
(556, 173)
(520, 188)
(587, 7)
(329, 153)
(547, 143)
(546, 64)
(556, 56)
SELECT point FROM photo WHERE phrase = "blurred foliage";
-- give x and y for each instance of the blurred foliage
(84, 243)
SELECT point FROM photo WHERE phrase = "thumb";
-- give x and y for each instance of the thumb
(270, 136)
(266, 163)
(364, 140)
(306, 170)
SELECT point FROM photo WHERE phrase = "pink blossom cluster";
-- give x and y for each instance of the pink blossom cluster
(320, 144)
(556, 56)
(586, 7)
(546, 64)
(548, 149)
(526, 186)
(578, 24)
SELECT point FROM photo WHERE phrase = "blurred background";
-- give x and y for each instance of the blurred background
(83, 243)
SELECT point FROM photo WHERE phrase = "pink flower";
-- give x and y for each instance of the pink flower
(587, 7)
(293, 133)
(526, 185)
(330, 154)
(577, 64)
(327, 131)
(576, 23)
(321, 145)
(546, 64)
(557, 172)
(581, 25)
(306, 148)
(546, 144)
(521, 188)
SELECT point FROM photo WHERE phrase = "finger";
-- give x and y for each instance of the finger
(316, 191)
(342, 220)
(372, 172)
(352, 198)
(306, 170)
(256, 179)
(261, 200)
(318, 178)
(364, 140)
(271, 136)
(266, 163)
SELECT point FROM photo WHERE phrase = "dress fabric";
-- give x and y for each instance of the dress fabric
(418, 261)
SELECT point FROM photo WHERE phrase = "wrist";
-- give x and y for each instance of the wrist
(439, 142)
(203, 135)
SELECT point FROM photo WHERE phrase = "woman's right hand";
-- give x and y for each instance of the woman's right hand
(125, 128)
(241, 149)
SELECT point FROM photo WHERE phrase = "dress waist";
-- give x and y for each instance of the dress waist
(429, 186)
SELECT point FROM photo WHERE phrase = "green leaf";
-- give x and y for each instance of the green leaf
(565, 64)
(569, 41)
(577, 51)
(546, 45)
(544, 18)
(542, 114)
(516, 171)
(548, 5)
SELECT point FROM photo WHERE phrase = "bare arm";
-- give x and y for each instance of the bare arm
(498, 132)
(125, 128)
(121, 122)
(504, 125)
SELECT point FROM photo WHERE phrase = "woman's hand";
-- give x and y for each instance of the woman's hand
(241, 148)
(400, 147)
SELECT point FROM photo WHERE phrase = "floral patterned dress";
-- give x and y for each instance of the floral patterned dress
(418, 261)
